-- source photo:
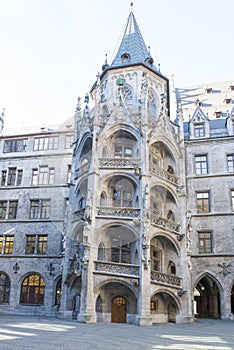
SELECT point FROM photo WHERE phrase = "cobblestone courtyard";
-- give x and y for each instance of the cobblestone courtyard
(17, 332)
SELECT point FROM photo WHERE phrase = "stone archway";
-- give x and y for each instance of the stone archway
(116, 302)
(163, 308)
(207, 298)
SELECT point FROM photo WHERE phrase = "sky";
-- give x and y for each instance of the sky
(52, 50)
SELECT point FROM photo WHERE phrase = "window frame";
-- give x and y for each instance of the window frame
(4, 288)
(40, 209)
(230, 162)
(199, 129)
(8, 244)
(205, 239)
(45, 143)
(15, 145)
(199, 163)
(32, 290)
(203, 202)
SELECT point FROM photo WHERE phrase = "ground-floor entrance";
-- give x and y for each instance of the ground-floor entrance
(118, 310)
(207, 298)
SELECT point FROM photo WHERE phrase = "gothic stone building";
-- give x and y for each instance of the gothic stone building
(147, 236)
(34, 169)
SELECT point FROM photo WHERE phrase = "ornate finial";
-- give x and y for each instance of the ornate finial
(86, 100)
(131, 6)
(105, 65)
(78, 105)
(149, 49)
(159, 68)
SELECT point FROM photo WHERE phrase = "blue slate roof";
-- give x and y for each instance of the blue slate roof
(133, 45)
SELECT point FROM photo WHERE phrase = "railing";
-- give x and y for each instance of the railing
(166, 279)
(165, 223)
(118, 162)
(82, 169)
(164, 174)
(118, 211)
(116, 268)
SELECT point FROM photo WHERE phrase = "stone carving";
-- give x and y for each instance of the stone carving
(225, 269)
(167, 279)
(115, 268)
(164, 174)
(118, 163)
(165, 223)
(115, 211)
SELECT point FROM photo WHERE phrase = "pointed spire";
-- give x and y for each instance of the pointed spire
(105, 65)
(132, 48)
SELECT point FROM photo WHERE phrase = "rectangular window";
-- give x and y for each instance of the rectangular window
(230, 163)
(18, 145)
(199, 129)
(45, 143)
(43, 176)
(201, 166)
(30, 244)
(232, 193)
(69, 173)
(34, 209)
(68, 141)
(41, 244)
(19, 177)
(203, 202)
(13, 205)
(3, 177)
(11, 177)
(34, 176)
(1, 241)
(3, 210)
(9, 243)
(45, 209)
(39, 209)
(204, 239)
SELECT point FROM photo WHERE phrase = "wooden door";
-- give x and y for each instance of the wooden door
(118, 312)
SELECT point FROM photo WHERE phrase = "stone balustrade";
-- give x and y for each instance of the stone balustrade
(118, 211)
(116, 268)
(169, 280)
(118, 162)
(154, 169)
(165, 223)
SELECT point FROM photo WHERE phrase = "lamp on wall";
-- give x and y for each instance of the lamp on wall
(181, 292)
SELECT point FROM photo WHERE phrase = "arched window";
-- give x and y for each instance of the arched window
(171, 269)
(101, 252)
(103, 199)
(82, 203)
(4, 288)
(58, 292)
(32, 290)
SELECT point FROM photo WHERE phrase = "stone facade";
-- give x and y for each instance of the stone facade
(33, 198)
(147, 235)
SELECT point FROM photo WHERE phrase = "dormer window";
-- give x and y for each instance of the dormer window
(150, 61)
(199, 129)
(232, 87)
(209, 90)
(125, 58)
(228, 100)
(218, 114)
